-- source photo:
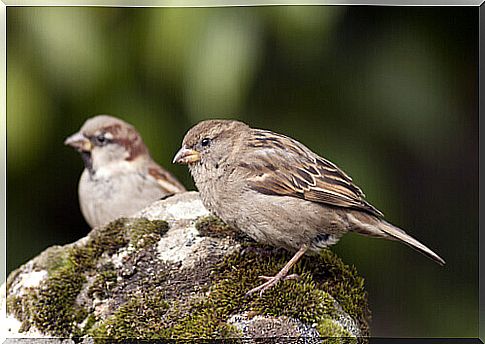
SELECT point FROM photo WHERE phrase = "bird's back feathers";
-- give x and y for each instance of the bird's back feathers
(300, 173)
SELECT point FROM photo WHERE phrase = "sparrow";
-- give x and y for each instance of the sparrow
(279, 192)
(119, 177)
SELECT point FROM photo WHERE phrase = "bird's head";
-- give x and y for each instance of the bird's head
(104, 140)
(210, 143)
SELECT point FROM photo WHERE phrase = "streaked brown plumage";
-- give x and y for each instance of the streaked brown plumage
(120, 177)
(279, 192)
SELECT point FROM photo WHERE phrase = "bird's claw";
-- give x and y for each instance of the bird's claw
(291, 277)
(285, 278)
(271, 281)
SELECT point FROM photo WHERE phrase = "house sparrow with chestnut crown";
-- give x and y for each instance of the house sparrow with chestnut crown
(279, 192)
(120, 177)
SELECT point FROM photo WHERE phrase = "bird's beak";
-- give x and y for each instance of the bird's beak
(79, 142)
(186, 156)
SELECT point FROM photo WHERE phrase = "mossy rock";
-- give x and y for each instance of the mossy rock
(174, 271)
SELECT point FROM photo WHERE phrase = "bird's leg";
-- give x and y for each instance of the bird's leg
(282, 275)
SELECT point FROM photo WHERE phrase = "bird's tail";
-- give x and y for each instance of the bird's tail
(380, 228)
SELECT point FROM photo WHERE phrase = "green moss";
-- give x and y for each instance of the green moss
(108, 239)
(105, 280)
(127, 322)
(309, 299)
(15, 307)
(298, 299)
(340, 280)
(89, 322)
(345, 285)
(329, 328)
(53, 309)
(51, 259)
(213, 226)
(143, 232)
(140, 317)
(304, 299)
(203, 324)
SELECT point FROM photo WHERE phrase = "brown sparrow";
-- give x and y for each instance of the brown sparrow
(279, 192)
(120, 177)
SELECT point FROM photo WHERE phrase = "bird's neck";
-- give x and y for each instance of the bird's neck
(208, 179)
(115, 168)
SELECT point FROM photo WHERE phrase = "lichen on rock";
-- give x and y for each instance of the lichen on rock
(175, 271)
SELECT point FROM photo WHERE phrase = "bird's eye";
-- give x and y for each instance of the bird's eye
(205, 142)
(101, 140)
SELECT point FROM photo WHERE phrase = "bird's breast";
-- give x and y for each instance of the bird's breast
(104, 199)
(217, 191)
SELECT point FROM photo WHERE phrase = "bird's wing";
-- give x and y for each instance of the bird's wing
(282, 166)
(167, 182)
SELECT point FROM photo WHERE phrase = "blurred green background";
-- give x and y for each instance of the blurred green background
(387, 93)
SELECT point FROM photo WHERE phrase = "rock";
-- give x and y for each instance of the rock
(174, 271)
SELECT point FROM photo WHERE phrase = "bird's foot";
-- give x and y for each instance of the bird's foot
(271, 281)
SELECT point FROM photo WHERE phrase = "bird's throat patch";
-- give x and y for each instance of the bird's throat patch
(88, 161)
